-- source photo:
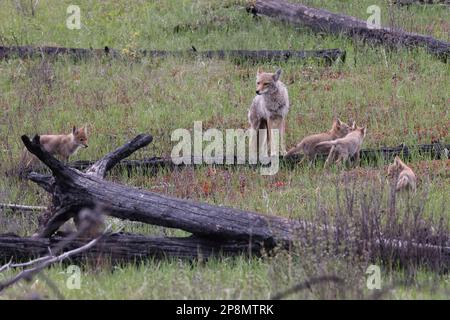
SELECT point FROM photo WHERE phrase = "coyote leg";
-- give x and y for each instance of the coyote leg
(275, 123)
(357, 159)
(263, 138)
(253, 141)
(282, 134)
(330, 157)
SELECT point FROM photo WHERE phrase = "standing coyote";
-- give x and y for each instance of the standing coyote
(269, 109)
(346, 147)
(61, 145)
(308, 145)
(404, 176)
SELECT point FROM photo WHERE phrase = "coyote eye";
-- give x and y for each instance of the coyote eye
(258, 83)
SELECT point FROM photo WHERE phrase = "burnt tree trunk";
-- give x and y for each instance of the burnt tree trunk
(123, 248)
(154, 164)
(410, 2)
(214, 227)
(73, 190)
(320, 20)
(119, 248)
(329, 55)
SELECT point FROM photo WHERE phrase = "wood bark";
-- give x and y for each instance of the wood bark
(329, 55)
(123, 247)
(215, 226)
(153, 164)
(320, 20)
(410, 2)
(73, 190)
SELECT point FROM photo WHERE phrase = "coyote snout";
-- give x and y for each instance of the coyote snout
(266, 82)
(79, 138)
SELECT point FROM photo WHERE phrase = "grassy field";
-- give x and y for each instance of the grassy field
(401, 96)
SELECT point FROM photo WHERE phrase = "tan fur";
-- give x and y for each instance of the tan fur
(404, 176)
(57, 145)
(269, 108)
(344, 148)
(90, 222)
(308, 146)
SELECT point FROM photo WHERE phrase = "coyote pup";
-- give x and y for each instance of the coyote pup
(269, 109)
(61, 145)
(344, 148)
(404, 176)
(308, 146)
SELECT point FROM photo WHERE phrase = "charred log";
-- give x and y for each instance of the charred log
(23, 52)
(320, 20)
(117, 248)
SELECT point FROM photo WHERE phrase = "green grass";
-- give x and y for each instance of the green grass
(401, 96)
(219, 280)
(205, 24)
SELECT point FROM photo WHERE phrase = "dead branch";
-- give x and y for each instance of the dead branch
(307, 285)
(85, 226)
(21, 207)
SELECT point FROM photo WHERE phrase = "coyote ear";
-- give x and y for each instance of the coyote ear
(354, 125)
(396, 159)
(74, 129)
(364, 130)
(259, 71)
(338, 122)
(277, 75)
(85, 128)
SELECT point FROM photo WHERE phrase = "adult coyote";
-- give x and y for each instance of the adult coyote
(269, 109)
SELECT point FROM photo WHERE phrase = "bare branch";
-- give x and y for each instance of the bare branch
(307, 285)
(60, 216)
(43, 180)
(103, 165)
(25, 264)
(21, 207)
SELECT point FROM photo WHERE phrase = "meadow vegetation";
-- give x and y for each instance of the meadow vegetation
(401, 96)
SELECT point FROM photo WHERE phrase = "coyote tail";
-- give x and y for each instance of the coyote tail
(326, 143)
(403, 182)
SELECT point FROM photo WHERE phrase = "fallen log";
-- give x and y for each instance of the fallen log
(23, 52)
(73, 190)
(427, 2)
(125, 247)
(320, 20)
(40, 264)
(385, 154)
(122, 247)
